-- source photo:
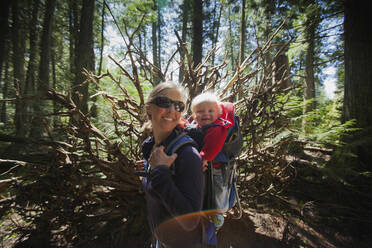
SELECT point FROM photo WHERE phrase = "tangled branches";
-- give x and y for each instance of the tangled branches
(86, 193)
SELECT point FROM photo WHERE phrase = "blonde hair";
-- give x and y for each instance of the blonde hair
(204, 97)
(156, 91)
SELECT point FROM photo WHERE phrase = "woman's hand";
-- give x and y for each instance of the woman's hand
(159, 157)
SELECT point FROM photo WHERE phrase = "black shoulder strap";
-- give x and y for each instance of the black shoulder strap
(178, 142)
(225, 123)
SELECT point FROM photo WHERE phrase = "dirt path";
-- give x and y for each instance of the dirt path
(257, 230)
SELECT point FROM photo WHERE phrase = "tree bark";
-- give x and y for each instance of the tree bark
(102, 38)
(4, 22)
(309, 92)
(312, 21)
(3, 115)
(197, 27)
(281, 71)
(185, 18)
(242, 33)
(216, 26)
(159, 36)
(18, 68)
(73, 36)
(31, 69)
(43, 82)
(358, 78)
(4, 30)
(85, 54)
(154, 39)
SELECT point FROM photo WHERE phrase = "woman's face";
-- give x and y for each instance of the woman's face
(165, 119)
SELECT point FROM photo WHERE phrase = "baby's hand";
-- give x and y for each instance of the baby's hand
(205, 165)
(140, 165)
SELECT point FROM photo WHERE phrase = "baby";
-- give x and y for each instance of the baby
(213, 118)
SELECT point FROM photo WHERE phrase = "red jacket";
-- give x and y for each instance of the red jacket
(215, 136)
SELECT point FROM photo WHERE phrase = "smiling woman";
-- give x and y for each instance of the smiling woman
(174, 183)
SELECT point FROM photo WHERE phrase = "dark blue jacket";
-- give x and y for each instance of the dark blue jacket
(175, 196)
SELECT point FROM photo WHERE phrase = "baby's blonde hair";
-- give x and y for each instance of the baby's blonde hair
(209, 97)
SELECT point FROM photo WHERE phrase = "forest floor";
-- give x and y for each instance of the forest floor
(319, 214)
(300, 224)
(263, 230)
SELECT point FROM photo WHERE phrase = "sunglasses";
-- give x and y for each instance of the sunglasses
(165, 102)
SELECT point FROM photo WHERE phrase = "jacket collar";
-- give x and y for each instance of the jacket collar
(149, 142)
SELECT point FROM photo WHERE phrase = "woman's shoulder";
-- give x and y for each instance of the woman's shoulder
(189, 152)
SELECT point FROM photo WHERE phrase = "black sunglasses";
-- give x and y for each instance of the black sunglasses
(165, 102)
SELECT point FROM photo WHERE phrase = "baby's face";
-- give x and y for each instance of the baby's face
(206, 113)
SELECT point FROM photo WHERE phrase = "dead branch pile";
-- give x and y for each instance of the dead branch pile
(86, 194)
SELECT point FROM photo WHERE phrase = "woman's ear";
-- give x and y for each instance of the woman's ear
(148, 112)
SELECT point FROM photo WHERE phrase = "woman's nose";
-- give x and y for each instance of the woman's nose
(171, 108)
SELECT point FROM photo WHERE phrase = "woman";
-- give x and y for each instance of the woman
(174, 195)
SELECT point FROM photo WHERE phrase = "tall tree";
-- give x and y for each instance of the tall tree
(85, 54)
(32, 63)
(4, 22)
(18, 44)
(230, 47)
(197, 31)
(358, 76)
(4, 30)
(43, 82)
(154, 39)
(185, 7)
(242, 32)
(312, 20)
(102, 37)
(3, 113)
(73, 24)
(212, 17)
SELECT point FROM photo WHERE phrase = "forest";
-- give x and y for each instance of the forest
(74, 77)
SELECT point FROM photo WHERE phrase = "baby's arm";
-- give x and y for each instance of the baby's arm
(213, 142)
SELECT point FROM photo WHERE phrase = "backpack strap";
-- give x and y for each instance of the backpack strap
(178, 142)
(225, 123)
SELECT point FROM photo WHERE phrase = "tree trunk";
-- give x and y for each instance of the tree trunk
(94, 109)
(242, 34)
(73, 37)
(358, 78)
(309, 75)
(85, 55)
(154, 39)
(4, 118)
(185, 18)
(31, 69)
(54, 80)
(159, 36)
(312, 21)
(281, 71)
(4, 50)
(43, 82)
(197, 30)
(216, 26)
(4, 22)
(230, 43)
(18, 68)
(102, 38)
